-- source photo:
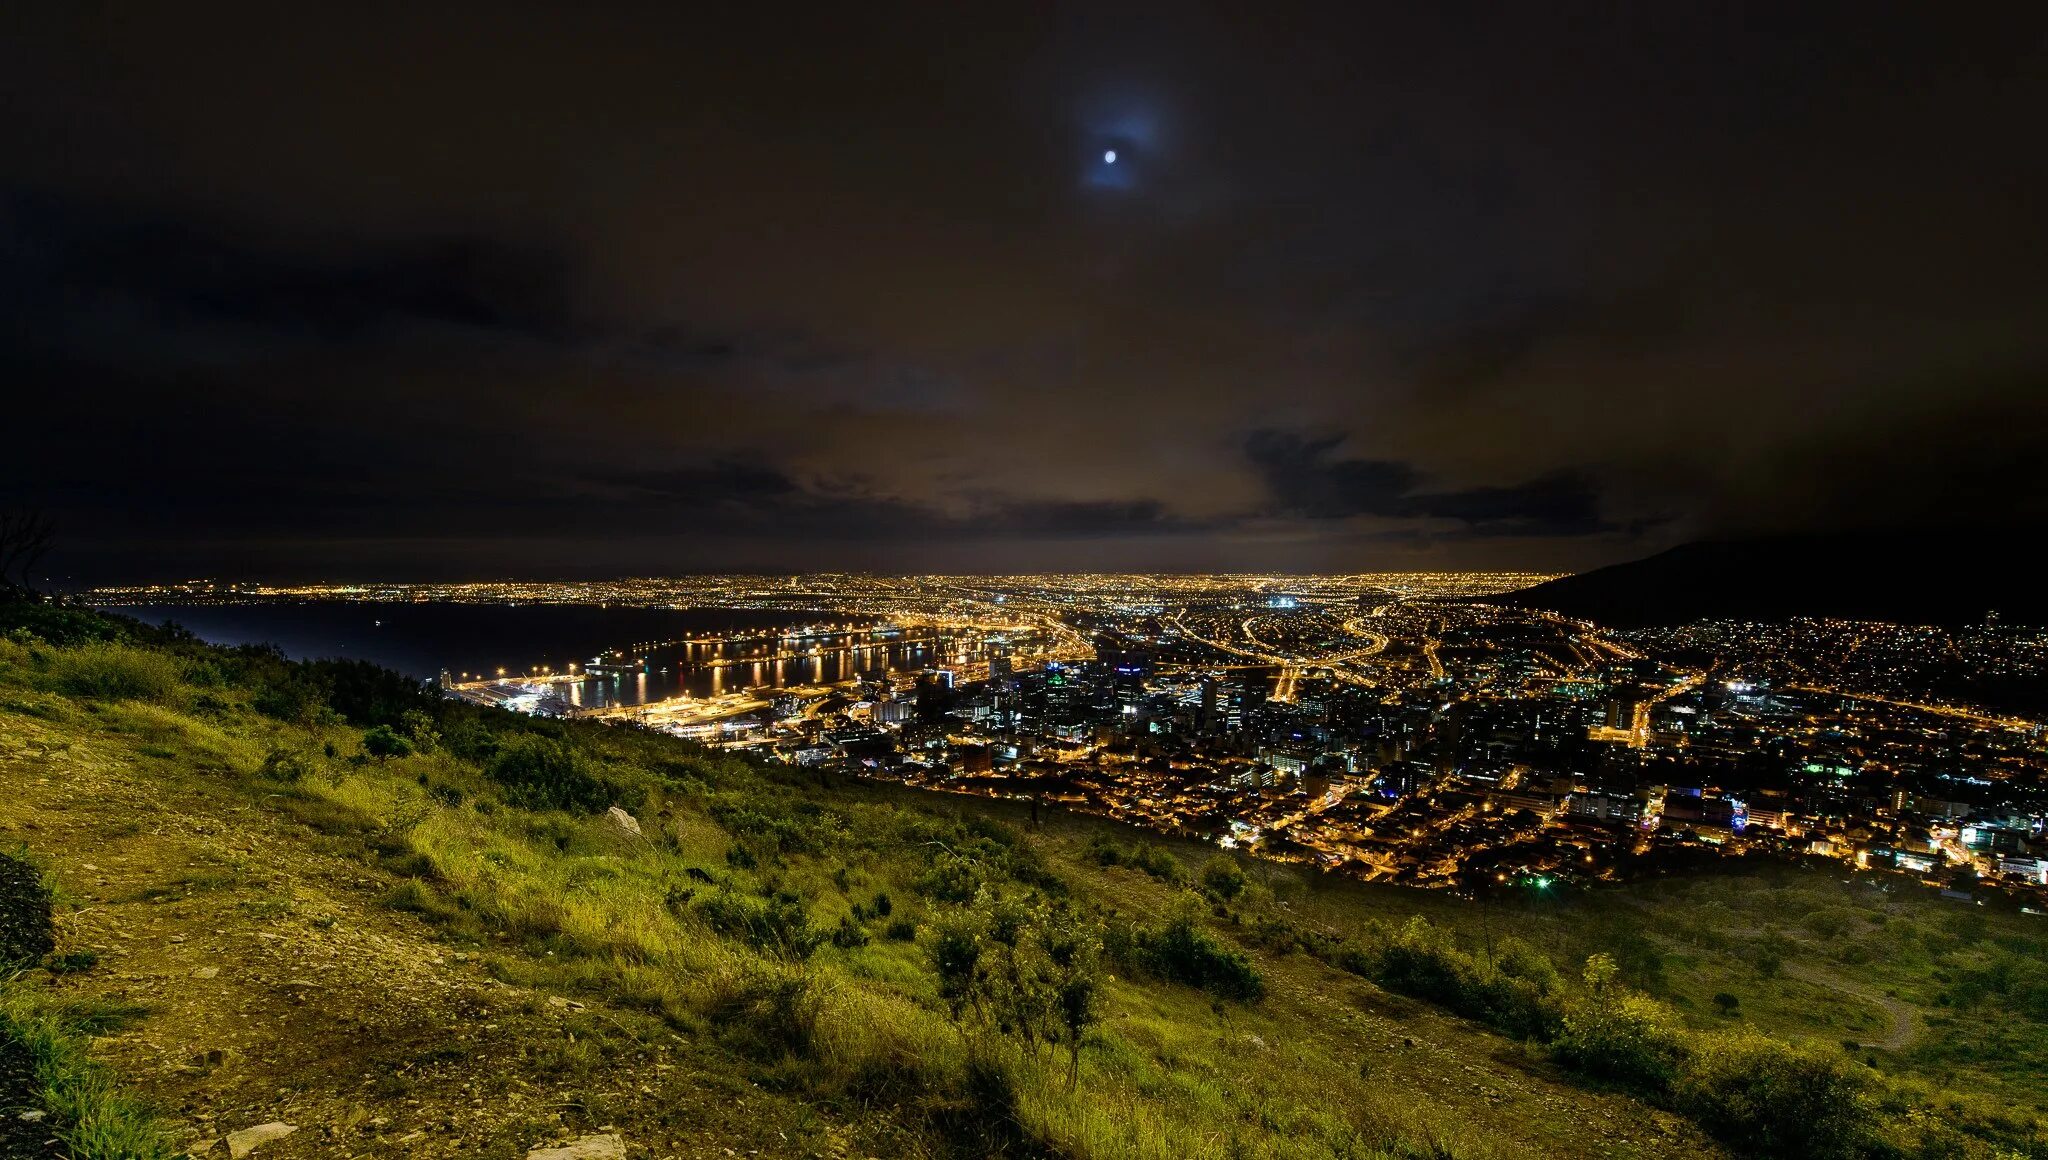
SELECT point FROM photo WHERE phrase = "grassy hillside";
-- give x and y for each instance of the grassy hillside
(313, 895)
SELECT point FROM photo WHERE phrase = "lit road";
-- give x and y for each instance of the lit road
(1942, 710)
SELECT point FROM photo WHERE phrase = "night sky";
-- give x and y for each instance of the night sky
(450, 289)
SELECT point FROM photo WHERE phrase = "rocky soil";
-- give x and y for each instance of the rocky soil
(270, 985)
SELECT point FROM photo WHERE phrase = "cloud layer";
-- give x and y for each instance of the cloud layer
(475, 290)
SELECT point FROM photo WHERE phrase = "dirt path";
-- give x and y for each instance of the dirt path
(1906, 1026)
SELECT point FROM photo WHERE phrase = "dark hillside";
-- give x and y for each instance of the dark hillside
(1907, 578)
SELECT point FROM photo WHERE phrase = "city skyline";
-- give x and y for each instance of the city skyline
(1418, 728)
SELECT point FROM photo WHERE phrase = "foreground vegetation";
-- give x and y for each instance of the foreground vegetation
(962, 984)
(49, 1087)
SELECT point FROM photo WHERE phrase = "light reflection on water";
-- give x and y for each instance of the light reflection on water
(424, 639)
(708, 670)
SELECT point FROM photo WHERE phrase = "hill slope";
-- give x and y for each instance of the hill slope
(306, 895)
(1908, 578)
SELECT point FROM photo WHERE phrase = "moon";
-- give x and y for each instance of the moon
(1109, 157)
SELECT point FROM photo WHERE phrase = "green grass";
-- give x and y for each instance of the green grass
(116, 672)
(86, 1107)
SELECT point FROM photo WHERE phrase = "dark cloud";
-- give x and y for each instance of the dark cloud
(744, 495)
(1307, 479)
(461, 287)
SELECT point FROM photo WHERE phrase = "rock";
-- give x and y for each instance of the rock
(623, 822)
(247, 1140)
(206, 972)
(606, 1146)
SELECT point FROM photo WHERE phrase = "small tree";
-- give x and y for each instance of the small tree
(418, 728)
(1024, 969)
(1727, 1003)
(1768, 961)
(25, 538)
(1601, 972)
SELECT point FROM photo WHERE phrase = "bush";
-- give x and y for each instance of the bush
(367, 694)
(766, 1011)
(1180, 951)
(116, 672)
(779, 924)
(848, 935)
(383, 744)
(286, 765)
(952, 878)
(540, 773)
(1022, 968)
(1106, 851)
(1769, 1098)
(900, 930)
(1223, 877)
(802, 828)
(1156, 862)
(25, 930)
(1514, 990)
(1624, 1037)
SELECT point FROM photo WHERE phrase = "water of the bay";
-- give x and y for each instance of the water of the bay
(689, 650)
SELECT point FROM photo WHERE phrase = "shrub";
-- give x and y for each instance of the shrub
(1157, 862)
(25, 930)
(1180, 951)
(766, 1011)
(1513, 991)
(286, 765)
(367, 694)
(383, 744)
(779, 924)
(848, 934)
(900, 930)
(804, 828)
(1106, 851)
(1770, 1098)
(1223, 877)
(116, 672)
(1026, 969)
(542, 773)
(292, 697)
(1626, 1037)
(951, 878)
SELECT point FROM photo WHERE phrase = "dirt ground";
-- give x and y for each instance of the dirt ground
(262, 982)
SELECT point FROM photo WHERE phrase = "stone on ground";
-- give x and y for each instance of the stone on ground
(247, 1140)
(604, 1146)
